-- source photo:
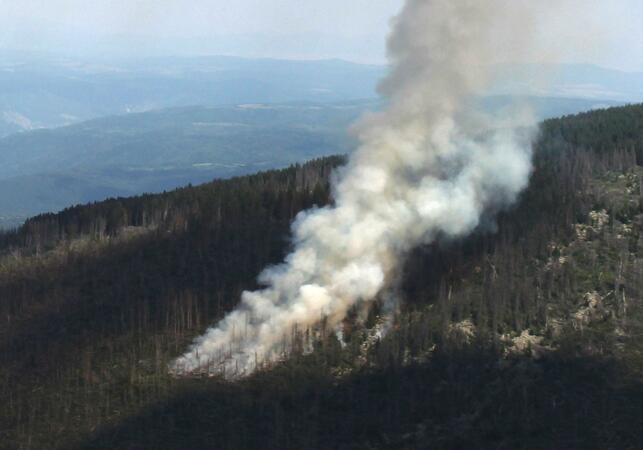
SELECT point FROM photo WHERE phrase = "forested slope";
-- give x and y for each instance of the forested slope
(525, 335)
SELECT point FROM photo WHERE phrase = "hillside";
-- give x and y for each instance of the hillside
(525, 335)
(47, 170)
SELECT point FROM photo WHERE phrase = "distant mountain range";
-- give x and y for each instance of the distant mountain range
(39, 91)
(582, 81)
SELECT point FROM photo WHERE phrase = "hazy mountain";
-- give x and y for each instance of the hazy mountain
(584, 81)
(49, 169)
(39, 91)
(46, 170)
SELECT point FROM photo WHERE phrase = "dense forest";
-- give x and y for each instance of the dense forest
(525, 335)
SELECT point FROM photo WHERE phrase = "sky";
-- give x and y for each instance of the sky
(610, 30)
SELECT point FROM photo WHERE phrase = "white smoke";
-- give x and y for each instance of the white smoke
(429, 165)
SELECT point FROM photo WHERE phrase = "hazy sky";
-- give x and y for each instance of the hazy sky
(350, 29)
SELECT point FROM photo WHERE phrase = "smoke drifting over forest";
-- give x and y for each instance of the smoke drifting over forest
(430, 165)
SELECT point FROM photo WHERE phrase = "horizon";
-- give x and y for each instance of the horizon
(48, 55)
(285, 30)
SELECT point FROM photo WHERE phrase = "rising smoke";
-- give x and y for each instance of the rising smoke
(429, 165)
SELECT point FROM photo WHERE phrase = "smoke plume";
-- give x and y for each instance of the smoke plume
(429, 165)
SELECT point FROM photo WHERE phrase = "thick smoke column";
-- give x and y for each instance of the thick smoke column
(429, 165)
